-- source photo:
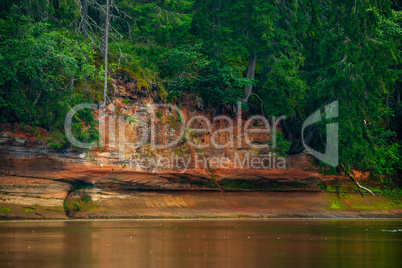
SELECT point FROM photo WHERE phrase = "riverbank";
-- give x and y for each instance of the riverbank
(103, 201)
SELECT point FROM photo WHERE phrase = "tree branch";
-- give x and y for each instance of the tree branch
(357, 184)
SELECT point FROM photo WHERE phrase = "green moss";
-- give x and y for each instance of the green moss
(92, 89)
(356, 202)
(83, 185)
(73, 205)
(29, 210)
(162, 93)
(57, 145)
(204, 183)
(86, 198)
(322, 186)
(378, 206)
(174, 122)
(337, 205)
(333, 189)
(389, 191)
(362, 207)
(5, 209)
(138, 76)
(394, 194)
(184, 179)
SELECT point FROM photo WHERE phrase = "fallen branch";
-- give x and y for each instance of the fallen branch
(357, 184)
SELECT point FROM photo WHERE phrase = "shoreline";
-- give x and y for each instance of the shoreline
(96, 204)
(201, 219)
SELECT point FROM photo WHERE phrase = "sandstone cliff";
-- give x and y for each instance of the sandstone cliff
(126, 175)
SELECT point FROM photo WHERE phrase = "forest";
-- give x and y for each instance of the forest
(279, 57)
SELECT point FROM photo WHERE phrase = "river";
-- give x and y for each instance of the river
(202, 243)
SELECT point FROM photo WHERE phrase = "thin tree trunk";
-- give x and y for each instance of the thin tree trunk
(37, 98)
(250, 74)
(85, 17)
(46, 10)
(129, 32)
(105, 24)
(71, 84)
(218, 48)
(84, 12)
(106, 42)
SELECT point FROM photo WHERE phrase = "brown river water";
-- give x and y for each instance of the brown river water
(202, 243)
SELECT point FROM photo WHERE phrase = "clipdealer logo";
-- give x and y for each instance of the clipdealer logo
(149, 134)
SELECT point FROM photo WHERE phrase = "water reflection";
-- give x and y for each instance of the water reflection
(264, 243)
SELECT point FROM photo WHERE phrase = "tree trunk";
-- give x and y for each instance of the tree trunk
(46, 8)
(106, 28)
(250, 74)
(106, 44)
(129, 32)
(85, 17)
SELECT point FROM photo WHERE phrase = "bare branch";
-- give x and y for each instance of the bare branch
(357, 184)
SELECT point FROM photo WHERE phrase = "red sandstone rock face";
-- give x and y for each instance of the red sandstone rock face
(122, 133)
(127, 122)
(131, 115)
(32, 173)
(70, 167)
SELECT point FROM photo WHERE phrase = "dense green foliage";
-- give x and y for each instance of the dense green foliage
(307, 54)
